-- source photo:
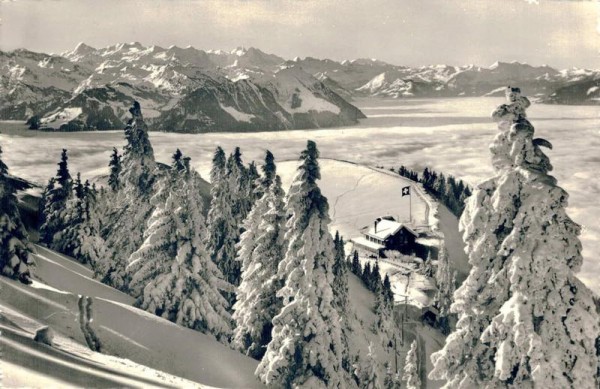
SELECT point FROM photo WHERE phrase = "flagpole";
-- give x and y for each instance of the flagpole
(410, 204)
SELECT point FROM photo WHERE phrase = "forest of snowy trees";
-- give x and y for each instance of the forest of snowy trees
(260, 271)
(248, 270)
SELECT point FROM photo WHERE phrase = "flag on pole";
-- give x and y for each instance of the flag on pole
(406, 191)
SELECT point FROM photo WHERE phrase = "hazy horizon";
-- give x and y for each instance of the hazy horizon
(561, 34)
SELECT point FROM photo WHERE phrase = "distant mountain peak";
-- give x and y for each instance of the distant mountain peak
(79, 50)
(239, 51)
(82, 47)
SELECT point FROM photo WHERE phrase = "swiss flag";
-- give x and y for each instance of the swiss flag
(406, 191)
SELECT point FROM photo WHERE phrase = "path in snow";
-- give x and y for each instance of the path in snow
(448, 224)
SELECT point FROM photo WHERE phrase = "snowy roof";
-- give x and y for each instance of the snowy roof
(387, 228)
(361, 241)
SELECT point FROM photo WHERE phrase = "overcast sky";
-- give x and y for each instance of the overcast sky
(405, 32)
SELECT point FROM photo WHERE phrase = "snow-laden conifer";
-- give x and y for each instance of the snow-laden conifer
(138, 162)
(91, 248)
(114, 179)
(15, 250)
(341, 295)
(238, 186)
(269, 170)
(172, 272)
(306, 348)
(384, 309)
(260, 250)
(222, 231)
(367, 371)
(411, 368)
(65, 240)
(131, 206)
(525, 320)
(340, 277)
(392, 379)
(445, 289)
(356, 267)
(253, 183)
(159, 248)
(56, 195)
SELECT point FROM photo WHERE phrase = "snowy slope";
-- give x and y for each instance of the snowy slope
(359, 194)
(138, 344)
(363, 317)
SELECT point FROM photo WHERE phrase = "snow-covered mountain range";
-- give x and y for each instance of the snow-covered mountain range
(370, 77)
(181, 89)
(192, 90)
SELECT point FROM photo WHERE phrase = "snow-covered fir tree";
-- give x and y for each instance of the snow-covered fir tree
(253, 183)
(374, 282)
(524, 318)
(92, 247)
(356, 267)
(427, 269)
(340, 295)
(384, 309)
(387, 289)
(366, 275)
(223, 232)
(155, 255)
(306, 349)
(366, 373)
(269, 170)
(392, 379)
(411, 374)
(131, 207)
(15, 250)
(172, 271)
(138, 163)
(260, 250)
(114, 180)
(56, 195)
(66, 240)
(340, 276)
(241, 203)
(445, 289)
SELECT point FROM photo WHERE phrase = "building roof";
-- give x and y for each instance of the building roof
(387, 228)
(361, 241)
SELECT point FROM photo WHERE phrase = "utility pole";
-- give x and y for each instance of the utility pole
(396, 352)
(404, 317)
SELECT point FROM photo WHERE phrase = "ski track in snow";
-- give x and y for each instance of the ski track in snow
(347, 192)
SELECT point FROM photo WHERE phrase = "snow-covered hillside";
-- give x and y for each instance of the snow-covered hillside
(360, 194)
(138, 348)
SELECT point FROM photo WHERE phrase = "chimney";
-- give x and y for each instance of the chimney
(376, 222)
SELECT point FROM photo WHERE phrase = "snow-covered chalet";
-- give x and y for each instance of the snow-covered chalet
(388, 234)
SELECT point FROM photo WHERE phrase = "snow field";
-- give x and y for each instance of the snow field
(141, 344)
(357, 195)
